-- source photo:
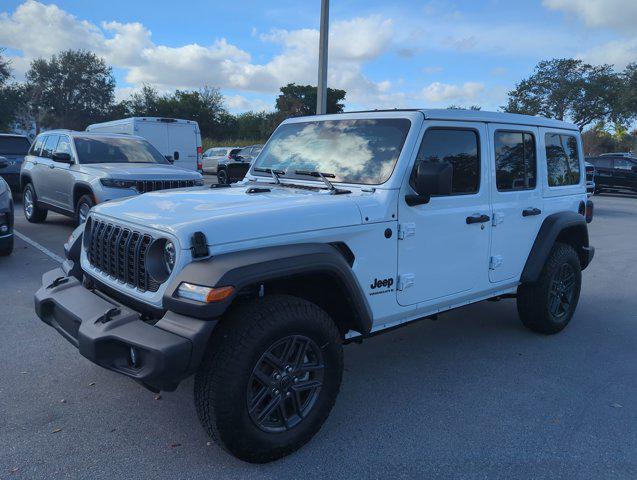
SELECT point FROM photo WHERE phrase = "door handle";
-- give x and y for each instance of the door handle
(51, 166)
(478, 219)
(529, 212)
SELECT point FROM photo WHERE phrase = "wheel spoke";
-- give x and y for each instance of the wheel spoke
(262, 377)
(273, 361)
(300, 354)
(554, 304)
(270, 407)
(289, 350)
(258, 399)
(307, 385)
(296, 402)
(284, 416)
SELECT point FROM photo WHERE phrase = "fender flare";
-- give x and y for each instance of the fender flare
(549, 232)
(250, 267)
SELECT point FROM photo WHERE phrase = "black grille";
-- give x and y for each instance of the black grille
(143, 186)
(120, 253)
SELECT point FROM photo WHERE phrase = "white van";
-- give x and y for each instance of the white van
(178, 140)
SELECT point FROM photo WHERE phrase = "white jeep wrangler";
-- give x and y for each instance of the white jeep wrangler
(345, 226)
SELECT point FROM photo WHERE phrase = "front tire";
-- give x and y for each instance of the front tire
(84, 204)
(222, 177)
(270, 377)
(547, 306)
(32, 212)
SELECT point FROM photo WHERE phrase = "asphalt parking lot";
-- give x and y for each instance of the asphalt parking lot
(472, 395)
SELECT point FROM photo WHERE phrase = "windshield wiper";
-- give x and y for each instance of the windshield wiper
(275, 173)
(322, 176)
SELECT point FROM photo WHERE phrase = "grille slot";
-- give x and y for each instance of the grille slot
(144, 186)
(120, 253)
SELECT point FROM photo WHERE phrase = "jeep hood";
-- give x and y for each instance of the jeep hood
(228, 215)
(139, 171)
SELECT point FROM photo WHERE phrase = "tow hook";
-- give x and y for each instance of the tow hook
(109, 315)
(57, 282)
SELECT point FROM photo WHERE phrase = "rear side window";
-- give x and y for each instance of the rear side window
(458, 147)
(14, 145)
(562, 159)
(49, 146)
(515, 161)
(624, 164)
(36, 147)
(602, 162)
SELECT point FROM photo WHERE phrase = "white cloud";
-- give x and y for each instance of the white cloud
(600, 13)
(443, 92)
(239, 103)
(618, 53)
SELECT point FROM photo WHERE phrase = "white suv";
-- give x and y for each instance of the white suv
(70, 172)
(345, 226)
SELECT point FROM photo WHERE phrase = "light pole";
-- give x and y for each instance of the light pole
(321, 97)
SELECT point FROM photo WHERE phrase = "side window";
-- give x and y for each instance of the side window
(64, 145)
(515, 161)
(623, 164)
(49, 146)
(36, 147)
(603, 163)
(458, 147)
(562, 159)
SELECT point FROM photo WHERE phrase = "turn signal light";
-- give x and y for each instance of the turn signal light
(203, 294)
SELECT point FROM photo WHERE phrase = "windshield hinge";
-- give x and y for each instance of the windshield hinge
(199, 246)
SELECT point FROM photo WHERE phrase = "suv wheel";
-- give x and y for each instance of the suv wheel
(84, 204)
(32, 212)
(222, 177)
(270, 377)
(548, 305)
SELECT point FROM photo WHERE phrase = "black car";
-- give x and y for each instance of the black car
(13, 149)
(614, 172)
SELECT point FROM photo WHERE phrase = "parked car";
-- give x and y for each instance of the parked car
(178, 140)
(69, 172)
(212, 156)
(13, 148)
(234, 168)
(614, 172)
(347, 226)
(590, 178)
(6, 218)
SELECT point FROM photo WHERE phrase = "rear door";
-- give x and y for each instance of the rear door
(516, 198)
(443, 246)
(182, 144)
(604, 172)
(624, 174)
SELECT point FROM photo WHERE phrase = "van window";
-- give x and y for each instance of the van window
(49, 146)
(458, 147)
(562, 159)
(515, 161)
(624, 164)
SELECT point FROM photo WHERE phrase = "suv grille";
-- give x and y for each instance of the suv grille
(144, 186)
(120, 253)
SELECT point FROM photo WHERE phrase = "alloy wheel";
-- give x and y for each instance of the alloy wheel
(562, 291)
(27, 203)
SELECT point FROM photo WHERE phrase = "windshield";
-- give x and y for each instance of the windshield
(355, 151)
(14, 145)
(116, 150)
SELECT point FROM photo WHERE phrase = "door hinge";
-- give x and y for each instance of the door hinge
(405, 281)
(495, 262)
(498, 218)
(406, 230)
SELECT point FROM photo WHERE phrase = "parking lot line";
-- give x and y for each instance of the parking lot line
(35, 244)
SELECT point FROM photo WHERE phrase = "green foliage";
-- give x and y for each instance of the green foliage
(599, 140)
(70, 90)
(11, 96)
(299, 100)
(570, 89)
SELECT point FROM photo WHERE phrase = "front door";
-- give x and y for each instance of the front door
(516, 197)
(61, 176)
(443, 246)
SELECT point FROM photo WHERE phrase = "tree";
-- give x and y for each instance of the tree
(569, 89)
(11, 96)
(70, 90)
(298, 100)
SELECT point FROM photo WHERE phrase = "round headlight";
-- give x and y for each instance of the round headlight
(170, 255)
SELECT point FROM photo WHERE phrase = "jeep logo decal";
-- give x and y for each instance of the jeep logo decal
(385, 283)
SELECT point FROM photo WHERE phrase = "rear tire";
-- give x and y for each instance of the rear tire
(547, 306)
(84, 204)
(222, 177)
(245, 372)
(6, 246)
(32, 212)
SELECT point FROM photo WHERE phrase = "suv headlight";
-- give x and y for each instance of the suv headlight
(115, 183)
(160, 259)
(170, 255)
(199, 182)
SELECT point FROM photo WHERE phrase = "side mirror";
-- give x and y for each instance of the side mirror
(62, 157)
(176, 156)
(4, 163)
(431, 179)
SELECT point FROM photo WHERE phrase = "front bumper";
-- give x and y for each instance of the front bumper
(115, 337)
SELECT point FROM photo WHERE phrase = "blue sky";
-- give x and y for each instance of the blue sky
(384, 53)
